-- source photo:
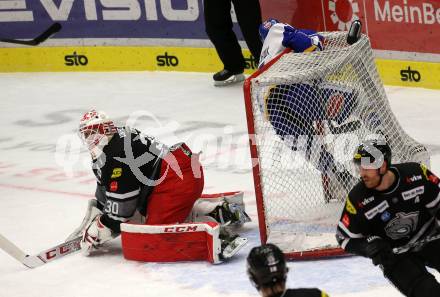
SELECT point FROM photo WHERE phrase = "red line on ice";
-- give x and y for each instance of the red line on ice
(35, 189)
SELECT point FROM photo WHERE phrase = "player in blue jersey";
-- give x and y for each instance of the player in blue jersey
(278, 36)
(302, 109)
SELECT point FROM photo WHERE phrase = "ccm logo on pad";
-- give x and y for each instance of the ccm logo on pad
(179, 229)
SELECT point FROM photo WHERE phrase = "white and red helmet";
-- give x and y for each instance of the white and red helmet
(95, 130)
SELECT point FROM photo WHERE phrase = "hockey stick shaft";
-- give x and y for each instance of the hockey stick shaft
(54, 28)
(11, 249)
(420, 243)
(43, 257)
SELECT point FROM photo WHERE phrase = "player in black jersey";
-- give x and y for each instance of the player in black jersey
(389, 217)
(267, 270)
(136, 174)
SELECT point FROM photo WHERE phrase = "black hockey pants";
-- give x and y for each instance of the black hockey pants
(409, 274)
(218, 24)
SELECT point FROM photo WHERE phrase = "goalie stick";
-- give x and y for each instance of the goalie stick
(54, 28)
(32, 261)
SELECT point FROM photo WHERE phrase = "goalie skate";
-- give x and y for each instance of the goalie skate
(233, 247)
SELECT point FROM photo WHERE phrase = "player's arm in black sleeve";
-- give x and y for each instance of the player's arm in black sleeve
(350, 232)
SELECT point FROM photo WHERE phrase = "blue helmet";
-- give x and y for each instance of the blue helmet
(265, 27)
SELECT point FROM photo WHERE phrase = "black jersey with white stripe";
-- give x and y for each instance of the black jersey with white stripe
(302, 292)
(126, 173)
(404, 213)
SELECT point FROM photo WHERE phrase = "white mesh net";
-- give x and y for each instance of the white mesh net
(310, 111)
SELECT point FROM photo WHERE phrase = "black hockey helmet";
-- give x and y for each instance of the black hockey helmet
(374, 150)
(266, 266)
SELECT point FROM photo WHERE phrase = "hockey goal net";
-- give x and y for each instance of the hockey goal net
(306, 114)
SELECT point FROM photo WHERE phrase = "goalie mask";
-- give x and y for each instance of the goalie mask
(96, 130)
(266, 266)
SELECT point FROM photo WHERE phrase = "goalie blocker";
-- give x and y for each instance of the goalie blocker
(179, 242)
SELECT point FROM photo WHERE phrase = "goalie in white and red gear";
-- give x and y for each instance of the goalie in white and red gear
(163, 189)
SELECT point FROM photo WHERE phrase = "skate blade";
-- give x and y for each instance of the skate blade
(234, 247)
(232, 80)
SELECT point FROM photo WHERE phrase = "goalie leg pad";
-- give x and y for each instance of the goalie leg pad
(171, 243)
(180, 242)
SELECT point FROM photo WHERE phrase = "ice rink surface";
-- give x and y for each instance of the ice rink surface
(44, 193)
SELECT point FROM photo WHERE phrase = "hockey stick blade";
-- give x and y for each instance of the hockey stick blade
(54, 253)
(420, 243)
(54, 28)
(43, 257)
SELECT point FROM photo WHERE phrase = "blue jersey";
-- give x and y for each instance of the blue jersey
(292, 109)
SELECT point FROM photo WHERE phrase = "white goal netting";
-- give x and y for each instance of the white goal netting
(307, 113)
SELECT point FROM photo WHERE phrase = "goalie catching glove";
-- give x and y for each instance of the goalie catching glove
(95, 235)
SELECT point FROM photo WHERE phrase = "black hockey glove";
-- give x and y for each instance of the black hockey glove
(380, 251)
